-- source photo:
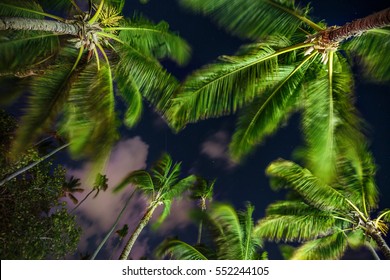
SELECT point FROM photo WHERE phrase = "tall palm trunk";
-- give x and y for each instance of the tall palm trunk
(30, 24)
(31, 165)
(112, 228)
(144, 221)
(356, 27)
(77, 206)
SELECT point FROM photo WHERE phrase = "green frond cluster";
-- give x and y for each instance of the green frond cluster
(253, 19)
(74, 84)
(371, 50)
(232, 238)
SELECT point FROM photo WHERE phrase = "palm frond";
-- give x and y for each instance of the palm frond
(90, 117)
(40, 46)
(329, 248)
(181, 186)
(135, 69)
(20, 8)
(166, 204)
(357, 178)
(372, 49)
(227, 220)
(48, 96)
(254, 19)
(180, 250)
(329, 119)
(251, 242)
(140, 178)
(264, 115)
(153, 39)
(314, 191)
(223, 87)
(294, 221)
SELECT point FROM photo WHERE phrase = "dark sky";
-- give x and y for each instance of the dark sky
(202, 147)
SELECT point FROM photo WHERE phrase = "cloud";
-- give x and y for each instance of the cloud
(96, 215)
(216, 148)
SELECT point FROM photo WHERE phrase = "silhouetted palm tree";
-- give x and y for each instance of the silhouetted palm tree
(70, 187)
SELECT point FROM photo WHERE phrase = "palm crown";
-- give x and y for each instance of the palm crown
(327, 218)
(232, 238)
(293, 64)
(72, 64)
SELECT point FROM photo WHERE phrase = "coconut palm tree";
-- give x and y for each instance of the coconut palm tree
(232, 238)
(326, 218)
(202, 191)
(70, 187)
(71, 61)
(294, 64)
(161, 185)
(100, 184)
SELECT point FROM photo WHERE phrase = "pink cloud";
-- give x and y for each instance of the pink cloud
(216, 148)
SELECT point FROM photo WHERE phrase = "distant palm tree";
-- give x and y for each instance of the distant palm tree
(100, 184)
(327, 218)
(232, 238)
(203, 192)
(161, 185)
(70, 65)
(70, 187)
(122, 233)
(294, 64)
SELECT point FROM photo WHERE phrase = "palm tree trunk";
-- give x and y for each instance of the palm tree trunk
(356, 27)
(112, 228)
(30, 24)
(376, 235)
(77, 206)
(372, 250)
(200, 232)
(144, 221)
(31, 165)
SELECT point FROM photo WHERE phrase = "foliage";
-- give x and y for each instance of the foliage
(34, 223)
(231, 233)
(326, 218)
(291, 66)
(71, 77)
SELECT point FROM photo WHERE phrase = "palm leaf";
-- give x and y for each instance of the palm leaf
(254, 19)
(134, 69)
(167, 204)
(48, 95)
(372, 49)
(140, 178)
(226, 219)
(264, 115)
(314, 191)
(180, 187)
(91, 97)
(293, 221)
(180, 250)
(251, 242)
(25, 9)
(40, 45)
(330, 122)
(223, 87)
(357, 178)
(153, 39)
(330, 247)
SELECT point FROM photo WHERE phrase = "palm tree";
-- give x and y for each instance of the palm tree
(162, 185)
(327, 218)
(71, 64)
(203, 192)
(294, 64)
(100, 184)
(232, 238)
(70, 187)
(122, 232)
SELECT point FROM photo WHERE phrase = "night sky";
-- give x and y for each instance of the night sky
(202, 147)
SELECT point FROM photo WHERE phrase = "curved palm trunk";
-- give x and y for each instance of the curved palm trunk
(373, 232)
(144, 221)
(112, 228)
(30, 24)
(31, 165)
(77, 206)
(356, 27)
